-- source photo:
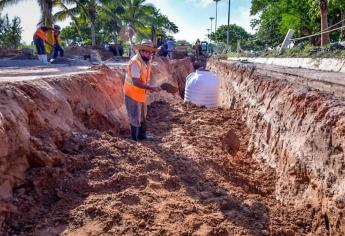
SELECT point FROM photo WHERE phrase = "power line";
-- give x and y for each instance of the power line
(335, 24)
(317, 34)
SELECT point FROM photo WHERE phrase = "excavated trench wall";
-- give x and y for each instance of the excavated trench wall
(38, 116)
(296, 130)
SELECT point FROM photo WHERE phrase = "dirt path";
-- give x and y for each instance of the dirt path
(195, 178)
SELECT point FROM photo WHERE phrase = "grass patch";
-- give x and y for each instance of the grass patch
(304, 51)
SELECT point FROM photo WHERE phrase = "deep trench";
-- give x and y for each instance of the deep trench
(198, 176)
(195, 178)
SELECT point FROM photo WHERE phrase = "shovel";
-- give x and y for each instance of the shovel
(169, 88)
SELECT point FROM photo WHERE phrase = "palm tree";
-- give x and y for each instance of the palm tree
(110, 14)
(137, 16)
(325, 40)
(46, 7)
(161, 25)
(89, 9)
(86, 9)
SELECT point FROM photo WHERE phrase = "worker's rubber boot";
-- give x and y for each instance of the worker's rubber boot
(134, 133)
(142, 132)
(44, 58)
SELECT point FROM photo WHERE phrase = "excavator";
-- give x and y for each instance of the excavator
(200, 55)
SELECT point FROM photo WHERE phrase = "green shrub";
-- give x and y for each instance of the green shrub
(10, 32)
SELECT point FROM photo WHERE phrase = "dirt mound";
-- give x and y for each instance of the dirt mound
(172, 72)
(94, 53)
(180, 52)
(180, 69)
(182, 183)
(15, 54)
(104, 53)
(231, 142)
(74, 51)
(7, 53)
(37, 116)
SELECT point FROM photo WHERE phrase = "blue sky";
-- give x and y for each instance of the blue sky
(191, 16)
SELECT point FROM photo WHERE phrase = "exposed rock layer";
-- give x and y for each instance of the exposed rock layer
(298, 131)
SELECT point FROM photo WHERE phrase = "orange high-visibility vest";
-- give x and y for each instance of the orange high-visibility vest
(130, 90)
(41, 34)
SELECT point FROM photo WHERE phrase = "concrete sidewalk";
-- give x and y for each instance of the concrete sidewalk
(326, 81)
(21, 70)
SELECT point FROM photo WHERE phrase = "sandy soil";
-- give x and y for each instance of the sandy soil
(194, 178)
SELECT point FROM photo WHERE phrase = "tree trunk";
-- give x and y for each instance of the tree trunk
(115, 37)
(325, 40)
(116, 46)
(93, 34)
(153, 35)
(342, 13)
(47, 20)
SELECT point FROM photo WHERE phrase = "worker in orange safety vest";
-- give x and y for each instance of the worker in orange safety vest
(40, 38)
(57, 43)
(136, 87)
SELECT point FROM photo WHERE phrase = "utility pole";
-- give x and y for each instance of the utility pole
(211, 18)
(215, 29)
(228, 35)
(208, 34)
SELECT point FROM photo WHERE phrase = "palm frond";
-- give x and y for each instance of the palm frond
(5, 3)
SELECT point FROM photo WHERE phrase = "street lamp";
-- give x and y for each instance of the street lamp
(228, 34)
(215, 29)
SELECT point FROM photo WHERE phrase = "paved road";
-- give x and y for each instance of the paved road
(21, 70)
(326, 81)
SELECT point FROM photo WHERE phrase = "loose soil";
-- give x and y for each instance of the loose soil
(195, 177)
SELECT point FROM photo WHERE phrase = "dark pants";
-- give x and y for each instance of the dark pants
(57, 49)
(39, 46)
(136, 111)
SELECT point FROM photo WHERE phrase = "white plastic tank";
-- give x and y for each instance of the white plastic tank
(202, 88)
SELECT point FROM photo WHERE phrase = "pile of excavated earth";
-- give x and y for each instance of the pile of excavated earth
(73, 56)
(268, 161)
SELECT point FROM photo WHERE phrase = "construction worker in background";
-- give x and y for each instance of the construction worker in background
(136, 87)
(170, 47)
(40, 39)
(197, 48)
(57, 43)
